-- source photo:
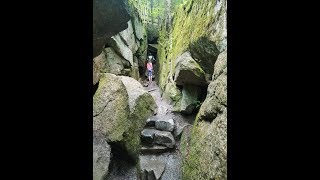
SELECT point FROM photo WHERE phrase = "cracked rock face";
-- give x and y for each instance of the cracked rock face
(110, 108)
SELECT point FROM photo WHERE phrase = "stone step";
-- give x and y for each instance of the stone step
(164, 138)
(147, 136)
(161, 123)
(153, 136)
(154, 149)
(165, 124)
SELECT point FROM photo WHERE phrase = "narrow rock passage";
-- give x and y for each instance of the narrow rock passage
(160, 156)
(160, 159)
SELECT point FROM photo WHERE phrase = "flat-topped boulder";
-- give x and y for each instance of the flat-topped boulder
(153, 136)
(164, 138)
(165, 124)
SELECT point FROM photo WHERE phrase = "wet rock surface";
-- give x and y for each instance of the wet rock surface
(164, 138)
(165, 124)
(151, 169)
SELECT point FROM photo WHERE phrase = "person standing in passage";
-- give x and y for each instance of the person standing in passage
(150, 70)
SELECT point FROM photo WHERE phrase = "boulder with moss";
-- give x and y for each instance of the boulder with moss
(190, 99)
(188, 71)
(205, 53)
(172, 94)
(120, 109)
(110, 108)
(142, 106)
(207, 36)
(204, 151)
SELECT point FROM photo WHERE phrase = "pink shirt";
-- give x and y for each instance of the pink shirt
(149, 66)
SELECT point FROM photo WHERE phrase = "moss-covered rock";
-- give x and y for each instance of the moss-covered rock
(204, 53)
(190, 99)
(220, 65)
(216, 98)
(120, 109)
(218, 29)
(188, 71)
(204, 23)
(152, 33)
(141, 105)
(110, 62)
(110, 108)
(172, 92)
(205, 152)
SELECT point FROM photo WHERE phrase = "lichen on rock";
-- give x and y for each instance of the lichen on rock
(110, 108)
(205, 152)
(141, 105)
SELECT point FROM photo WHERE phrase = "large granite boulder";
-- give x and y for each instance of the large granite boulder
(141, 107)
(204, 151)
(120, 109)
(110, 108)
(188, 71)
(204, 53)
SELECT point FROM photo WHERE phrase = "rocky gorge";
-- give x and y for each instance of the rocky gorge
(175, 127)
